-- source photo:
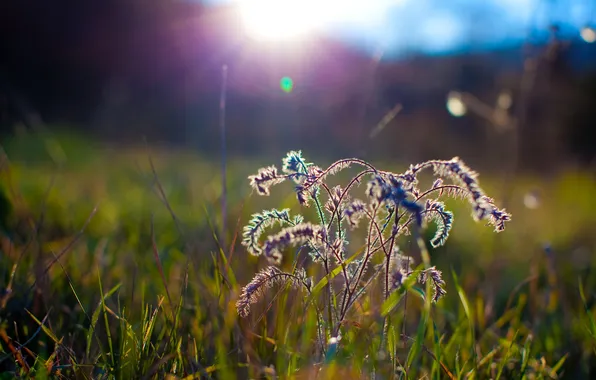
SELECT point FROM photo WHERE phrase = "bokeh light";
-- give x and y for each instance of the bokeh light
(455, 104)
(286, 84)
(532, 200)
(588, 34)
(504, 101)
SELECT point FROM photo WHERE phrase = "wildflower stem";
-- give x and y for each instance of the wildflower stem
(338, 255)
(387, 272)
(353, 181)
(387, 190)
(441, 188)
(364, 263)
(330, 295)
(349, 297)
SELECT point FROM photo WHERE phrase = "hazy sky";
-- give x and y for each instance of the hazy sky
(439, 26)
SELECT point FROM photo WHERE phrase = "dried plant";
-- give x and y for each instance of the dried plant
(392, 205)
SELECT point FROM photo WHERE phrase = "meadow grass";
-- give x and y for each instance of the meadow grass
(111, 269)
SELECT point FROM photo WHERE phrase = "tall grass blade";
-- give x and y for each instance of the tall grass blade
(95, 318)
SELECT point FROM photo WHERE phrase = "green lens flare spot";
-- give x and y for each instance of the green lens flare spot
(286, 84)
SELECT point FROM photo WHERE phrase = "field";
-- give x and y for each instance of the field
(110, 267)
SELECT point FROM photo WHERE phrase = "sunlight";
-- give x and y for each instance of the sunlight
(279, 20)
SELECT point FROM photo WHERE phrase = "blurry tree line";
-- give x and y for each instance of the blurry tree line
(155, 73)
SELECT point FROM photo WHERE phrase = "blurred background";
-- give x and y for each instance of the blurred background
(123, 70)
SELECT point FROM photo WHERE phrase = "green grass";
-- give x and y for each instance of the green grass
(140, 293)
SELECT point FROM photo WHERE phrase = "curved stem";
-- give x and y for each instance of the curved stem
(352, 182)
(441, 188)
(350, 290)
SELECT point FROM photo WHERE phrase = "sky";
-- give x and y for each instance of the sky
(400, 27)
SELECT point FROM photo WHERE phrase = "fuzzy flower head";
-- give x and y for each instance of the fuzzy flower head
(295, 166)
(264, 179)
(302, 195)
(435, 211)
(389, 189)
(304, 233)
(401, 269)
(313, 177)
(259, 222)
(264, 280)
(355, 211)
(483, 207)
(308, 187)
(335, 202)
(392, 207)
(436, 278)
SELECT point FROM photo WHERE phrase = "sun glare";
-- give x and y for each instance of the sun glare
(293, 19)
(278, 19)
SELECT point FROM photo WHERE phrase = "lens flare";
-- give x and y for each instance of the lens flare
(286, 84)
(455, 104)
(588, 34)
